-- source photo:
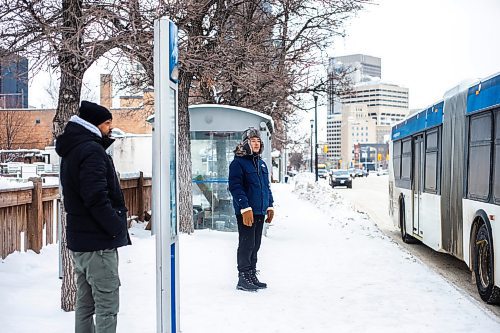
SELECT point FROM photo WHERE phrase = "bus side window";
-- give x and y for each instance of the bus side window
(478, 180)
(406, 164)
(397, 159)
(431, 161)
(496, 165)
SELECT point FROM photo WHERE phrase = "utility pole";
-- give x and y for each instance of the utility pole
(316, 135)
(311, 160)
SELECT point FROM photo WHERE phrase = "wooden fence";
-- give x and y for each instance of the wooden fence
(29, 216)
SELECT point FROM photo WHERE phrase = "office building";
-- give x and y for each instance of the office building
(333, 135)
(13, 82)
(366, 114)
(361, 68)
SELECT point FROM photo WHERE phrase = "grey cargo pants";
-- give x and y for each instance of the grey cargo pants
(97, 284)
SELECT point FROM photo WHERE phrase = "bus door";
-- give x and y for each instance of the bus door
(417, 181)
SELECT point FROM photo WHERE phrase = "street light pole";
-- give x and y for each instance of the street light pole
(311, 161)
(316, 135)
(366, 159)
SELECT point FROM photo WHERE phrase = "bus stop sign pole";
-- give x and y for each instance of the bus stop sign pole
(165, 194)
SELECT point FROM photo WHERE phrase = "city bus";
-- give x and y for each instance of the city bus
(444, 179)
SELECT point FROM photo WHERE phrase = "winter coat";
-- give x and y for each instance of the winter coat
(249, 184)
(96, 213)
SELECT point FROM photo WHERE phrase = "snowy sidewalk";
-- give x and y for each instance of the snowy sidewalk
(328, 270)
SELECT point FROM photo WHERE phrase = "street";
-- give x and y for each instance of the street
(370, 195)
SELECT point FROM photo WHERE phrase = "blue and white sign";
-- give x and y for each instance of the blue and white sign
(165, 190)
(173, 50)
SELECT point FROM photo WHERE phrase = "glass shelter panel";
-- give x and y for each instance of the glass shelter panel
(211, 154)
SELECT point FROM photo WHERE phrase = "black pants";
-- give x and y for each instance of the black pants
(249, 242)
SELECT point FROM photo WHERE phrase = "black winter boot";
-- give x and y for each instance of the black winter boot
(245, 282)
(255, 281)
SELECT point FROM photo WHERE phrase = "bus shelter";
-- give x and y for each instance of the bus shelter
(215, 132)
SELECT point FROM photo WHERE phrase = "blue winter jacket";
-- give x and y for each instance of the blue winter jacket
(249, 184)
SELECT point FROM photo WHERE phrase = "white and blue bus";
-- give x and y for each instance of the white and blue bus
(444, 179)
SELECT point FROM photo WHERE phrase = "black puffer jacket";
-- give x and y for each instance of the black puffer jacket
(96, 213)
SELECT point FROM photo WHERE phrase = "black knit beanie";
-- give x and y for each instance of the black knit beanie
(94, 113)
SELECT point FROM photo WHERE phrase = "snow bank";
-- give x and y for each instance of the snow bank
(13, 184)
(305, 181)
(335, 206)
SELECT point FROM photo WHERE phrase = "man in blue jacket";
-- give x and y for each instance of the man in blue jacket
(96, 216)
(252, 199)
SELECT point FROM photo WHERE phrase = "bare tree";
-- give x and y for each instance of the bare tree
(191, 16)
(255, 54)
(296, 160)
(52, 90)
(13, 131)
(68, 36)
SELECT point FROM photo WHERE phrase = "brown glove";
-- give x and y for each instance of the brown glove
(248, 218)
(270, 215)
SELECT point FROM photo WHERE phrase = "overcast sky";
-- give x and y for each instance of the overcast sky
(428, 46)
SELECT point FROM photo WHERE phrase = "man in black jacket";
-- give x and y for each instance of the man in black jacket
(96, 216)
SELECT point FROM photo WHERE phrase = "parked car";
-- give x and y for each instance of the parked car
(381, 172)
(360, 173)
(340, 178)
(352, 172)
(322, 173)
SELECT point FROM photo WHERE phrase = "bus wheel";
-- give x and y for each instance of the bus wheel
(483, 268)
(402, 225)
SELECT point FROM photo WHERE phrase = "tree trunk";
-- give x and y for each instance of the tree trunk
(68, 287)
(69, 99)
(186, 224)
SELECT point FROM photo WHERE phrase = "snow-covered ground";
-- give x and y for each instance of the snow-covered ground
(328, 268)
(13, 183)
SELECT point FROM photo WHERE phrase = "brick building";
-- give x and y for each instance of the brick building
(32, 128)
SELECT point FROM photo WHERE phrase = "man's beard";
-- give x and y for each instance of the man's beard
(107, 141)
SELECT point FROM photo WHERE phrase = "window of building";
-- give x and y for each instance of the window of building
(478, 185)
